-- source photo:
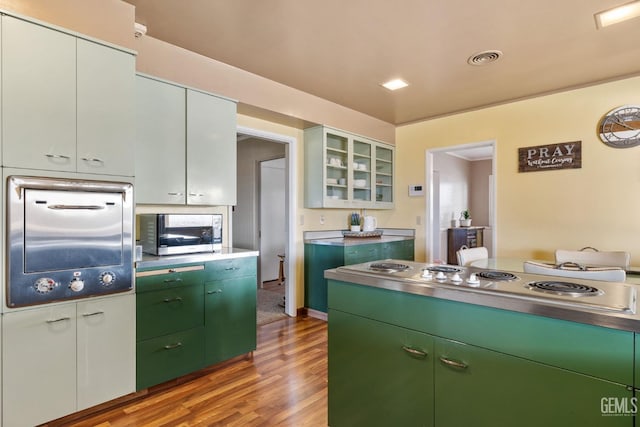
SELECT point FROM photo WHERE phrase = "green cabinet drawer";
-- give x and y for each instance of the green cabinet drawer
(402, 249)
(592, 350)
(230, 268)
(167, 278)
(169, 310)
(362, 253)
(168, 357)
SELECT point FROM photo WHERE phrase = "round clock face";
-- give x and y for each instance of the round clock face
(620, 127)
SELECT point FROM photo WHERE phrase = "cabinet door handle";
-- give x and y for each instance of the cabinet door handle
(59, 319)
(172, 346)
(232, 268)
(172, 280)
(58, 156)
(414, 352)
(453, 363)
(92, 159)
(176, 299)
(176, 194)
(196, 194)
(217, 291)
(95, 313)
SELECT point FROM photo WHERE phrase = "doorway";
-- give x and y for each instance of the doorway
(255, 146)
(458, 178)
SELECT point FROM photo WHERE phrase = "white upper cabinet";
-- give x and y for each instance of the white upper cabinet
(38, 97)
(185, 145)
(106, 129)
(211, 150)
(343, 170)
(67, 103)
(160, 142)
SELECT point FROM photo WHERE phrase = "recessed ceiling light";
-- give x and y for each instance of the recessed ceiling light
(395, 84)
(484, 57)
(617, 14)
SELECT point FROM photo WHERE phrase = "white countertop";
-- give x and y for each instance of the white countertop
(152, 261)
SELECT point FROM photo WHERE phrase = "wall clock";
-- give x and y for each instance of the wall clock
(620, 127)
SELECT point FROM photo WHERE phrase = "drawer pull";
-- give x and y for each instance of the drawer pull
(59, 319)
(93, 159)
(95, 313)
(172, 346)
(176, 299)
(58, 156)
(453, 363)
(217, 291)
(232, 268)
(414, 352)
(172, 280)
(176, 194)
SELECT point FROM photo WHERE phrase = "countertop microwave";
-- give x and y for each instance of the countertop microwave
(172, 234)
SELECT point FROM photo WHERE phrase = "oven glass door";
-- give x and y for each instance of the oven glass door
(67, 230)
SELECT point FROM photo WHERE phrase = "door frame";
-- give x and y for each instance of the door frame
(431, 239)
(291, 202)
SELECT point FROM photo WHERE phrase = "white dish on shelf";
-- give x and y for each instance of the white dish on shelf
(332, 181)
(359, 183)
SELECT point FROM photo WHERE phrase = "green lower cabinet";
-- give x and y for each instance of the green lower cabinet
(170, 356)
(319, 257)
(479, 387)
(379, 374)
(230, 318)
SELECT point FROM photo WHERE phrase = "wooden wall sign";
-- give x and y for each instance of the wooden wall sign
(566, 155)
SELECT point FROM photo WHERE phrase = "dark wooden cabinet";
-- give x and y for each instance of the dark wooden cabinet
(470, 237)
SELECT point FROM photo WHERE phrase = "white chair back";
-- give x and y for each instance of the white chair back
(467, 255)
(607, 274)
(594, 258)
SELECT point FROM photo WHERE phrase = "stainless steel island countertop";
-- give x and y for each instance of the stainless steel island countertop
(613, 306)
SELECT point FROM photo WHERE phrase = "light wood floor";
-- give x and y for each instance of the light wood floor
(284, 385)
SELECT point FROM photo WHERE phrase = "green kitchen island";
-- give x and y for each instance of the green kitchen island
(407, 354)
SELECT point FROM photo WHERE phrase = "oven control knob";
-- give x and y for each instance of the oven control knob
(76, 285)
(44, 285)
(107, 278)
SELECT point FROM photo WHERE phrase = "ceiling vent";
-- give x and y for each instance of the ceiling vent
(485, 57)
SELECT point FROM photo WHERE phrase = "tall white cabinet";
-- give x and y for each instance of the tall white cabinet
(67, 102)
(185, 145)
(62, 358)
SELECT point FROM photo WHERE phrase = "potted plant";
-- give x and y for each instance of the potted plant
(355, 222)
(465, 218)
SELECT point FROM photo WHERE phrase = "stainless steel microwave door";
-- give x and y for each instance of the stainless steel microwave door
(63, 234)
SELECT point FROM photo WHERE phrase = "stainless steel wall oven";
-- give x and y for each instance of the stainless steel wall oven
(67, 239)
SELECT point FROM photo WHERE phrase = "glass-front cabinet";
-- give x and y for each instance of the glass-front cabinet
(344, 170)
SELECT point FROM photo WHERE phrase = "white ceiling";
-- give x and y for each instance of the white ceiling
(341, 50)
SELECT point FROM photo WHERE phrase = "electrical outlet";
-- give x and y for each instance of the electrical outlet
(322, 219)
